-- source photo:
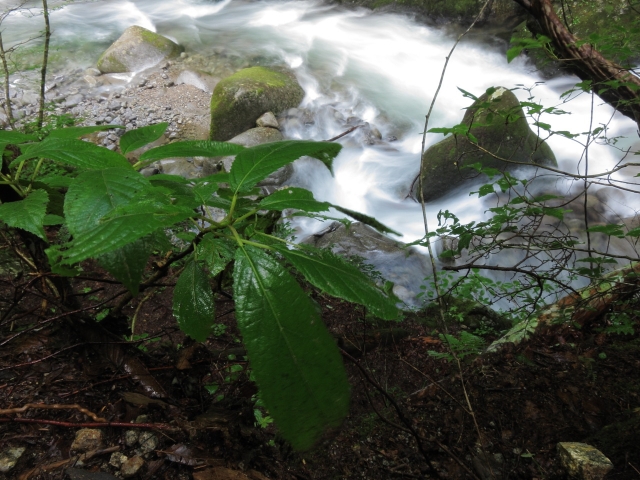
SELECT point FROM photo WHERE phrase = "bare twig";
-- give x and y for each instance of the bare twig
(157, 426)
(45, 60)
(56, 406)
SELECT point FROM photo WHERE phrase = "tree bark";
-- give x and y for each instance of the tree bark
(586, 62)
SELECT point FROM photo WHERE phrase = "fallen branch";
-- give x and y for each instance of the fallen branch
(56, 406)
(57, 423)
(580, 307)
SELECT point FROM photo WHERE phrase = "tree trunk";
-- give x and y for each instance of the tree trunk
(586, 62)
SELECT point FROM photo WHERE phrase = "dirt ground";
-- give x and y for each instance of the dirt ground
(409, 415)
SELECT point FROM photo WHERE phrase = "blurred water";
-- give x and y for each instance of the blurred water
(382, 68)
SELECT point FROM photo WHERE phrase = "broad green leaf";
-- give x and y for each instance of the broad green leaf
(292, 197)
(127, 263)
(193, 302)
(53, 220)
(9, 136)
(215, 252)
(293, 357)
(140, 137)
(123, 227)
(28, 213)
(335, 276)
(366, 219)
(76, 153)
(94, 194)
(182, 193)
(77, 132)
(257, 163)
(192, 148)
(54, 256)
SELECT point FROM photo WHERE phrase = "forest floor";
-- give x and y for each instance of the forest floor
(568, 385)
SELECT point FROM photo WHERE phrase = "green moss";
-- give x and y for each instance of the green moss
(158, 41)
(241, 98)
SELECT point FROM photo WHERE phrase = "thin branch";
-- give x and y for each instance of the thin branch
(45, 60)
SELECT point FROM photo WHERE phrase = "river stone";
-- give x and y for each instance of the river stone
(250, 138)
(137, 49)
(131, 466)
(87, 439)
(583, 461)
(501, 128)
(397, 263)
(201, 80)
(240, 99)
(9, 458)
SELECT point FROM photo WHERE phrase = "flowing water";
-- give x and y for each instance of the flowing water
(382, 68)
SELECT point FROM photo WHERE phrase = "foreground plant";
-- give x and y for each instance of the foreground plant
(118, 217)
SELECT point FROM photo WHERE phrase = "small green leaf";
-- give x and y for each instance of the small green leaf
(140, 137)
(292, 197)
(192, 148)
(193, 302)
(127, 263)
(28, 213)
(513, 52)
(77, 132)
(257, 163)
(611, 229)
(372, 222)
(73, 152)
(215, 252)
(333, 275)
(486, 190)
(293, 357)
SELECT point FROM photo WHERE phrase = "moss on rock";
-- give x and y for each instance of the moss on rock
(498, 122)
(137, 49)
(240, 99)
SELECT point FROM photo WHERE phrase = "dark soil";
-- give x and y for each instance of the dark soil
(568, 385)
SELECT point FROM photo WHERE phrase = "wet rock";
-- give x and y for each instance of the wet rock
(240, 99)
(583, 461)
(148, 442)
(137, 49)
(397, 263)
(9, 458)
(268, 120)
(197, 79)
(131, 466)
(250, 138)
(500, 128)
(87, 439)
(131, 437)
(117, 459)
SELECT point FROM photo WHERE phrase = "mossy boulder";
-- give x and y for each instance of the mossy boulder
(498, 122)
(137, 49)
(240, 99)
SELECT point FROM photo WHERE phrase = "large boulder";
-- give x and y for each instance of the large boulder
(239, 100)
(137, 49)
(396, 262)
(500, 127)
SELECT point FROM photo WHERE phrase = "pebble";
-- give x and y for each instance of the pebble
(131, 437)
(148, 442)
(9, 458)
(131, 466)
(87, 439)
(117, 459)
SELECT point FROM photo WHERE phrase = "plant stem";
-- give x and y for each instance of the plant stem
(7, 99)
(43, 71)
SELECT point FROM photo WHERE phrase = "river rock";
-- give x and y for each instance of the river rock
(240, 99)
(500, 126)
(397, 263)
(201, 80)
(137, 49)
(250, 138)
(87, 439)
(131, 466)
(9, 458)
(583, 461)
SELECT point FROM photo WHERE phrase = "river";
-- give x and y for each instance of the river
(383, 68)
